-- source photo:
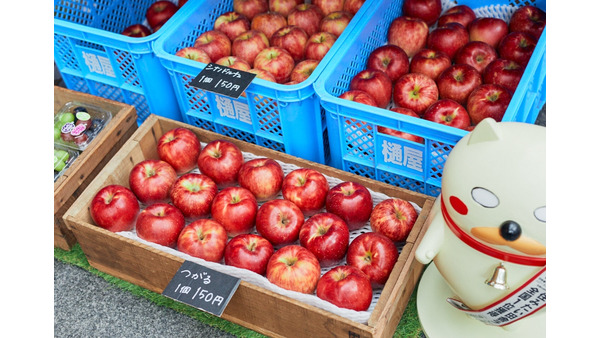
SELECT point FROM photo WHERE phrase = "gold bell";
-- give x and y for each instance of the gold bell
(498, 279)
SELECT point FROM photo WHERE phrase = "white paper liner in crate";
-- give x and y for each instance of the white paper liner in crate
(261, 281)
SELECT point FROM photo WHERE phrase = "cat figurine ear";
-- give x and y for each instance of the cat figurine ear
(486, 131)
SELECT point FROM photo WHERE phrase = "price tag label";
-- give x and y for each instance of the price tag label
(202, 287)
(223, 80)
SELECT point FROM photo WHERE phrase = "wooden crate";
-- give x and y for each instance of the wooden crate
(251, 306)
(87, 165)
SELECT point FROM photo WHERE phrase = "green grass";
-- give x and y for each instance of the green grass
(409, 325)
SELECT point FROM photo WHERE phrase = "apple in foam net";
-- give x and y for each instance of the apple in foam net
(276, 61)
(180, 148)
(262, 176)
(234, 62)
(347, 287)
(283, 7)
(137, 31)
(359, 96)
(408, 33)
(307, 188)
(248, 44)
(303, 70)
(160, 223)
(352, 202)
(250, 8)
(462, 14)
(318, 45)
(477, 54)
(114, 208)
(426, 10)
(279, 221)
(235, 209)
(415, 91)
(221, 160)
(375, 255)
(193, 194)
(203, 238)
(398, 133)
(194, 53)
(268, 23)
(389, 59)
(529, 19)
(159, 12)
(488, 100)
(307, 17)
(294, 268)
(291, 38)
(457, 82)
(374, 82)
(151, 180)
(215, 43)
(448, 112)
(326, 236)
(429, 62)
(518, 47)
(335, 22)
(353, 6)
(448, 38)
(232, 24)
(394, 218)
(250, 252)
(488, 29)
(503, 72)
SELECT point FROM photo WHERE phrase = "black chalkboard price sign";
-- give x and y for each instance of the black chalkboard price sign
(223, 80)
(202, 287)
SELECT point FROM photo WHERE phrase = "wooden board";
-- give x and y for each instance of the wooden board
(254, 307)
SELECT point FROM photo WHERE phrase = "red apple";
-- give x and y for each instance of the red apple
(394, 218)
(335, 22)
(279, 221)
(276, 61)
(262, 176)
(398, 133)
(375, 255)
(193, 194)
(415, 91)
(389, 59)
(203, 238)
(307, 188)
(448, 112)
(180, 148)
(250, 252)
(488, 100)
(503, 72)
(215, 43)
(529, 19)
(374, 82)
(235, 208)
(347, 287)
(457, 82)
(114, 208)
(426, 10)
(294, 268)
(159, 12)
(359, 96)
(303, 70)
(352, 202)
(137, 31)
(234, 62)
(518, 47)
(429, 62)
(283, 7)
(249, 8)
(326, 235)
(262, 74)
(293, 39)
(248, 44)
(329, 6)
(318, 45)
(353, 6)
(307, 17)
(488, 29)
(160, 223)
(180, 3)
(268, 23)
(194, 53)
(221, 160)
(408, 33)
(462, 14)
(477, 54)
(232, 24)
(448, 38)
(151, 180)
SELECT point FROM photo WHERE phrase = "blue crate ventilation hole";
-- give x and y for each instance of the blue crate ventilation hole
(356, 145)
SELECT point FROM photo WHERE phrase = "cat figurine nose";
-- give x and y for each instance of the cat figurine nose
(510, 230)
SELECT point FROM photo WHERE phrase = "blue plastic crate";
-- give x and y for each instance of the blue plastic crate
(93, 57)
(287, 118)
(355, 144)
